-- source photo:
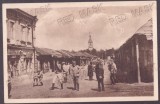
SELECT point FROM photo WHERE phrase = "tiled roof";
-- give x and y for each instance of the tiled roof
(62, 53)
(46, 51)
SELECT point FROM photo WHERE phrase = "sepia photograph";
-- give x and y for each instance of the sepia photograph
(80, 52)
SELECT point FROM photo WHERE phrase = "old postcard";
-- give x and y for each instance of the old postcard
(80, 52)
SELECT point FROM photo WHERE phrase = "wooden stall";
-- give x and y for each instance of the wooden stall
(134, 60)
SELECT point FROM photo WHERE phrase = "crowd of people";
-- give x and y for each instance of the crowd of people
(71, 72)
(64, 72)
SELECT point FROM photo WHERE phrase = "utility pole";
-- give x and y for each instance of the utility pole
(137, 59)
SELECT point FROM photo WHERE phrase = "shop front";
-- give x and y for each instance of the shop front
(20, 60)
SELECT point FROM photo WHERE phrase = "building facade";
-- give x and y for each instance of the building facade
(134, 58)
(20, 41)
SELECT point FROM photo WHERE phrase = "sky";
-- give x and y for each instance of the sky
(75, 34)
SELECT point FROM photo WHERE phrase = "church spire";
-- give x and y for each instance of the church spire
(90, 43)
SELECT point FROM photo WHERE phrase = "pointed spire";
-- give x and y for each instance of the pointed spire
(90, 42)
(90, 38)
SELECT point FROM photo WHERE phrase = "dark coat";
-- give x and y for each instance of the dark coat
(90, 70)
(99, 71)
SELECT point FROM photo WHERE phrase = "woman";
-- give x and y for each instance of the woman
(90, 71)
(58, 75)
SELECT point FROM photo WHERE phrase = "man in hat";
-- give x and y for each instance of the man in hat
(100, 75)
(75, 73)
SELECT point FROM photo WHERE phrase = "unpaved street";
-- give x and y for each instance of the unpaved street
(22, 88)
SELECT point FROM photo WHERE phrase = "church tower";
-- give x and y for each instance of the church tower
(90, 43)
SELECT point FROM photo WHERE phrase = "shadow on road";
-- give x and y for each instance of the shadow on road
(94, 89)
(91, 80)
(54, 88)
(70, 88)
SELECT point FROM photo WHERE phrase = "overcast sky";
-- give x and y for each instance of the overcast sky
(75, 35)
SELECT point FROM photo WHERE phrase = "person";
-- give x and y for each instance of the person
(58, 75)
(66, 71)
(18, 69)
(90, 71)
(100, 76)
(11, 69)
(82, 68)
(85, 68)
(40, 77)
(113, 70)
(75, 73)
(35, 79)
(9, 85)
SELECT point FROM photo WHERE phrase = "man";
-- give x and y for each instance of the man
(58, 75)
(100, 76)
(75, 73)
(90, 71)
(113, 70)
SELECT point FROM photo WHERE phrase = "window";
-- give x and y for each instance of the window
(22, 33)
(27, 36)
(11, 30)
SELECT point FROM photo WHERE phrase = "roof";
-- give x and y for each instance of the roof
(146, 29)
(70, 53)
(88, 55)
(62, 53)
(46, 51)
(23, 12)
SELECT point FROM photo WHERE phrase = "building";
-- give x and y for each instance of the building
(134, 58)
(90, 43)
(20, 41)
(47, 58)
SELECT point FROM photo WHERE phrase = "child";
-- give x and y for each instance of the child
(40, 77)
(35, 79)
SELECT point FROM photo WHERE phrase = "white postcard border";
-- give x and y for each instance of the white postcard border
(88, 99)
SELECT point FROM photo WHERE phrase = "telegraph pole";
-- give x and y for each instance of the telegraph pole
(137, 59)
